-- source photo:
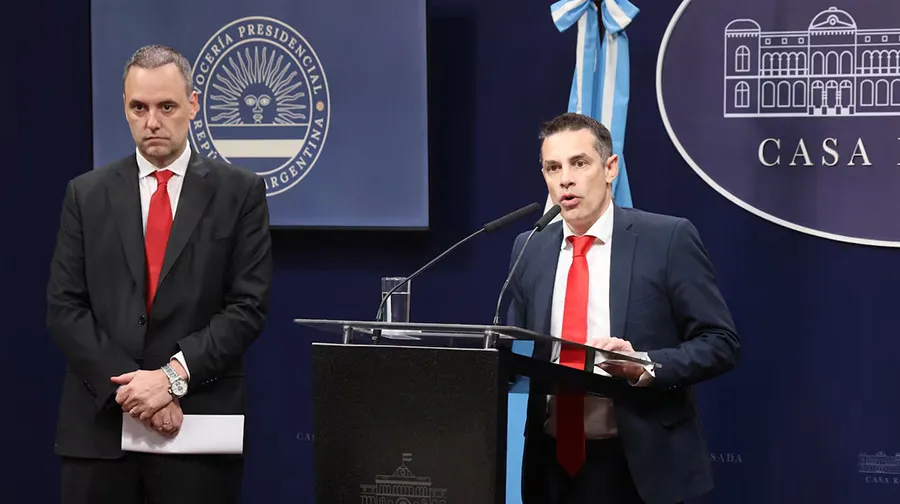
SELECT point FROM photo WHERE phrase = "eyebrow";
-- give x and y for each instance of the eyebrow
(580, 155)
(135, 101)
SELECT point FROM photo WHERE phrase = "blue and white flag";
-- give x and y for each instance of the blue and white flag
(600, 86)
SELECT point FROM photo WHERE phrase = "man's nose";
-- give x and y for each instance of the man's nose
(565, 178)
(152, 121)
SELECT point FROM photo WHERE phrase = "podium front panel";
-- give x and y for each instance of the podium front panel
(408, 424)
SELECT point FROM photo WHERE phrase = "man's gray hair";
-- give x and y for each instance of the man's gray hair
(154, 56)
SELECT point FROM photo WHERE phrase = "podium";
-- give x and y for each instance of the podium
(416, 413)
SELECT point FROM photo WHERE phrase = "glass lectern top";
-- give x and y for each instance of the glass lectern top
(418, 331)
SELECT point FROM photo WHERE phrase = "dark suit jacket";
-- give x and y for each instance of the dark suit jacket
(664, 300)
(211, 301)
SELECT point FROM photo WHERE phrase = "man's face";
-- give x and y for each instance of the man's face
(577, 177)
(159, 112)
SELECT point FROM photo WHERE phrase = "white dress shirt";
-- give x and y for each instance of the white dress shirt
(147, 183)
(599, 421)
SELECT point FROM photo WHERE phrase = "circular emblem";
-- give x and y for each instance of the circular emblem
(264, 101)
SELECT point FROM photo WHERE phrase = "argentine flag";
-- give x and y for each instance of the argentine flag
(600, 90)
(600, 85)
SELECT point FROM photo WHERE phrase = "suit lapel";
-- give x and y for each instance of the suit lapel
(195, 195)
(125, 201)
(621, 262)
(547, 260)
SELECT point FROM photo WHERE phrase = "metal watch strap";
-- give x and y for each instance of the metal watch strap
(170, 373)
(177, 384)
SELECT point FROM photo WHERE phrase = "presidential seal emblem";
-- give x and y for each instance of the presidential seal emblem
(264, 101)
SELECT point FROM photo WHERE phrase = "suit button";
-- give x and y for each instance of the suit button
(142, 320)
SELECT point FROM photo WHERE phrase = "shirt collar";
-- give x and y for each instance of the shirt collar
(178, 167)
(601, 229)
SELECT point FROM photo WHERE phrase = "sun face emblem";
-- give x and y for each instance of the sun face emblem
(258, 87)
(264, 101)
(257, 104)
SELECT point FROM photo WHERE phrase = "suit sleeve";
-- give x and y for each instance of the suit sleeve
(229, 333)
(89, 351)
(710, 343)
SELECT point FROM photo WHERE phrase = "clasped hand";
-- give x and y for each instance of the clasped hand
(145, 396)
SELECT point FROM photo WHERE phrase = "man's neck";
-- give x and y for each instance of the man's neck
(583, 228)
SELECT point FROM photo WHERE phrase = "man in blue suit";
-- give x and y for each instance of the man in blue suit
(622, 280)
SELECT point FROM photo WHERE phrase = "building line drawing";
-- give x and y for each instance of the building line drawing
(832, 68)
(402, 487)
(879, 463)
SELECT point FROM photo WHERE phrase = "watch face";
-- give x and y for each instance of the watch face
(179, 387)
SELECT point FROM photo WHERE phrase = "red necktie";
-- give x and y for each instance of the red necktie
(159, 223)
(570, 404)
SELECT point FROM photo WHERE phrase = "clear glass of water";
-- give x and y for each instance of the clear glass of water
(396, 308)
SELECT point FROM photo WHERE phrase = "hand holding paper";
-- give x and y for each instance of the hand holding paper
(199, 434)
(167, 421)
(629, 370)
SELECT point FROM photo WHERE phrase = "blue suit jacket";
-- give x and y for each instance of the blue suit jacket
(664, 300)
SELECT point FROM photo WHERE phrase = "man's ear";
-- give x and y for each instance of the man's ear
(194, 104)
(611, 168)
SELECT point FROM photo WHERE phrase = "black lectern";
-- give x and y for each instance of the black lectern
(403, 417)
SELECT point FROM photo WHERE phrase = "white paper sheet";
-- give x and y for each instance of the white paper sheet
(199, 434)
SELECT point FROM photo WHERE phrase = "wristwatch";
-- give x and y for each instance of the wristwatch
(177, 385)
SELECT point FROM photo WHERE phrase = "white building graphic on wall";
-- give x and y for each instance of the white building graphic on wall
(832, 68)
(879, 463)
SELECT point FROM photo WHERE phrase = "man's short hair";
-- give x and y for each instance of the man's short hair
(571, 121)
(154, 56)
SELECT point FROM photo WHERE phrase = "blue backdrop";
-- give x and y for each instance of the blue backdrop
(322, 99)
(814, 396)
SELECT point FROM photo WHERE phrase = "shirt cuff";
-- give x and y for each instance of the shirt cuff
(648, 374)
(180, 358)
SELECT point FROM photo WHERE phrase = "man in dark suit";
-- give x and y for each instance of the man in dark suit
(158, 285)
(622, 280)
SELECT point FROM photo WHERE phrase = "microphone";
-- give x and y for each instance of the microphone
(545, 219)
(543, 222)
(512, 216)
(487, 228)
